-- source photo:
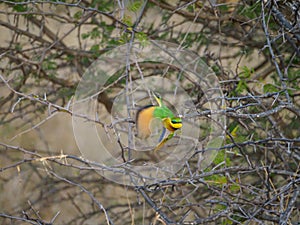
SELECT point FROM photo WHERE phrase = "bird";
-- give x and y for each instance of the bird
(160, 111)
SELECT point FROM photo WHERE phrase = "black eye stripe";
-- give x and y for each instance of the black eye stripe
(176, 122)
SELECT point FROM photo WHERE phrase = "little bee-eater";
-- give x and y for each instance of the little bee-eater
(162, 112)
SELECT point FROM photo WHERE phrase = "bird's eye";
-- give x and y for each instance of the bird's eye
(176, 121)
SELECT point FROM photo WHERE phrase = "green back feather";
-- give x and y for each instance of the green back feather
(162, 112)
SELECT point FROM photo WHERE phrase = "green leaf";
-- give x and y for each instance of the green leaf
(20, 8)
(224, 8)
(269, 88)
(190, 8)
(217, 180)
(251, 11)
(18, 47)
(95, 48)
(85, 36)
(142, 37)
(221, 157)
(135, 6)
(95, 33)
(235, 187)
(49, 65)
(241, 87)
(127, 20)
(104, 6)
(246, 72)
(86, 61)
(124, 38)
(78, 15)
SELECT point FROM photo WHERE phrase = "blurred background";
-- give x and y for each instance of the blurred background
(252, 47)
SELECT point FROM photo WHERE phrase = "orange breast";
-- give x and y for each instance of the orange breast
(143, 120)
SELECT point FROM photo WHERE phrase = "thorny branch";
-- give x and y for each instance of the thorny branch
(46, 46)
